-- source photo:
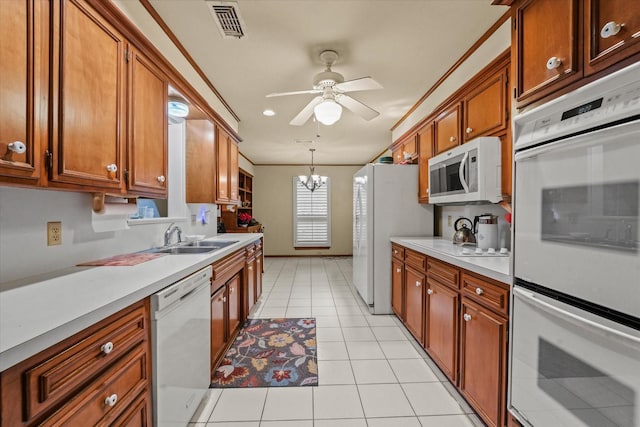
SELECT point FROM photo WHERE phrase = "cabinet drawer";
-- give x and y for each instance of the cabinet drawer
(443, 273)
(250, 250)
(227, 267)
(397, 251)
(122, 383)
(59, 376)
(415, 259)
(490, 294)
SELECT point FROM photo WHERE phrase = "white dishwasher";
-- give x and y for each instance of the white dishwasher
(181, 347)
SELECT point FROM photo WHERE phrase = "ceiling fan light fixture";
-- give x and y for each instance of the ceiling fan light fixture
(328, 112)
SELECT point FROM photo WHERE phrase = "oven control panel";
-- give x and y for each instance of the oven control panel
(605, 101)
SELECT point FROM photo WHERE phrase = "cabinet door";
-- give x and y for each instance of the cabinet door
(483, 354)
(397, 300)
(398, 155)
(222, 161)
(218, 328)
(23, 83)
(447, 129)
(612, 32)
(148, 127)
(200, 162)
(425, 152)
(138, 414)
(88, 108)
(441, 340)
(544, 30)
(414, 302)
(258, 275)
(234, 293)
(250, 274)
(234, 171)
(485, 109)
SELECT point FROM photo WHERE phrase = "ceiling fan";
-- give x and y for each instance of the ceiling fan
(333, 87)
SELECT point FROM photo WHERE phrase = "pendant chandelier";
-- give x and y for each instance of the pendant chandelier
(313, 181)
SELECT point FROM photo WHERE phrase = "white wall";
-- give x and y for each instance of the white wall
(273, 207)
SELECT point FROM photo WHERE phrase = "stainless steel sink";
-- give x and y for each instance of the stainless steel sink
(185, 250)
(217, 244)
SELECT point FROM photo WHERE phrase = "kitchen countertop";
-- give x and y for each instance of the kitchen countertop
(497, 268)
(38, 312)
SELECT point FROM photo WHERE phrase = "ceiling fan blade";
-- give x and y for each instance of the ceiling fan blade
(357, 107)
(297, 92)
(363, 83)
(306, 112)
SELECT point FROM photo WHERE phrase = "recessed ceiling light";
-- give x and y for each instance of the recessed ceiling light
(268, 113)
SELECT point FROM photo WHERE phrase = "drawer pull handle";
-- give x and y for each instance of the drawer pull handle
(111, 400)
(611, 28)
(553, 63)
(107, 347)
(161, 179)
(395, 251)
(418, 284)
(112, 168)
(430, 291)
(398, 270)
(479, 291)
(469, 130)
(466, 317)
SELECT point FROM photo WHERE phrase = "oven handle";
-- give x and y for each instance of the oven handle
(530, 298)
(461, 172)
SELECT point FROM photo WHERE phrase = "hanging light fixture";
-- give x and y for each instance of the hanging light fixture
(328, 111)
(313, 181)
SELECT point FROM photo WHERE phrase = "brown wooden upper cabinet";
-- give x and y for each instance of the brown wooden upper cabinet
(613, 32)
(88, 104)
(447, 129)
(485, 108)
(406, 150)
(148, 127)
(425, 152)
(23, 89)
(200, 162)
(227, 162)
(560, 42)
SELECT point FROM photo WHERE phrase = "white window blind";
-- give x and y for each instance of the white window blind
(311, 215)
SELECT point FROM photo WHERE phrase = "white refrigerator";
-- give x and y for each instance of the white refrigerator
(385, 204)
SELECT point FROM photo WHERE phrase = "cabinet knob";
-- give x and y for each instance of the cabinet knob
(112, 168)
(453, 138)
(250, 267)
(161, 179)
(107, 348)
(398, 270)
(231, 290)
(224, 299)
(395, 252)
(418, 284)
(111, 400)
(479, 291)
(17, 147)
(469, 130)
(611, 28)
(466, 317)
(430, 291)
(553, 63)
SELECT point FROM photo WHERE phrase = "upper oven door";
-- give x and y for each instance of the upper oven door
(576, 216)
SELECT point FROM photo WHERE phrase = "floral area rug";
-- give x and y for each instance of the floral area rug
(271, 353)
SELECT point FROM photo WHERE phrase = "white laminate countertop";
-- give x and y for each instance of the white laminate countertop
(38, 312)
(497, 268)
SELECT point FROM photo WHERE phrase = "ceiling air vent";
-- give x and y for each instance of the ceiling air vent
(227, 17)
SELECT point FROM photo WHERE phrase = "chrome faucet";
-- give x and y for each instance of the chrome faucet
(172, 229)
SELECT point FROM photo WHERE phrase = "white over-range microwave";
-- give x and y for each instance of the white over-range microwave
(469, 173)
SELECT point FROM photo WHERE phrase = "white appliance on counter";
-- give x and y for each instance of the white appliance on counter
(385, 204)
(468, 173)
(575, 320)
(181, 343)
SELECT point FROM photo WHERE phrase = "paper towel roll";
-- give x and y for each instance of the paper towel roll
(113, 217)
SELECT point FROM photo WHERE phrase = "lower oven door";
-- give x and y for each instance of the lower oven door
(570, 367)
(577, 205)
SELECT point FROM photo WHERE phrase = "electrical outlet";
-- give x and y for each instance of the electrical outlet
(54, 233)
(449, 220)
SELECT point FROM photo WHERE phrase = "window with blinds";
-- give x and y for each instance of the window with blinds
(311, 215)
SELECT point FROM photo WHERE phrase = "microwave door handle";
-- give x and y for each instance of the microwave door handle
(463, 181)
(530, 298)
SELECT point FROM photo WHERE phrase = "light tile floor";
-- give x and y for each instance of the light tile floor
(371, 372)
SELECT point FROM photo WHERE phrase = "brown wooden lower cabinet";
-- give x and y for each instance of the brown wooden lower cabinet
(461, 319)
(67, 384)
(218, 327)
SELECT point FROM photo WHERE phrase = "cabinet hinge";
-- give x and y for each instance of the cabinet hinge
(48, 160)
(515, 26)
(126, 54)
(515, 93)
(126, 176)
